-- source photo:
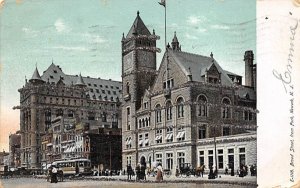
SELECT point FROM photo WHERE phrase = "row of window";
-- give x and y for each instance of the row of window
(145, 122)
(180, 155)
(220, 157)
(101, 86)
(169, 137)
(103, 91)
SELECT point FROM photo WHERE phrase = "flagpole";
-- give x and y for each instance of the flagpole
(165, 25)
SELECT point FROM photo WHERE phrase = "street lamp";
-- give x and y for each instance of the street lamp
(215, 144)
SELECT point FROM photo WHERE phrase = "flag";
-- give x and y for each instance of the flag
(162, 2)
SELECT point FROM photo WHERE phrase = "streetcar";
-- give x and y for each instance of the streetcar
(72, 167)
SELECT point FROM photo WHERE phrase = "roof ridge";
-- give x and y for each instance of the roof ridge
(111, 80)
(189, 53)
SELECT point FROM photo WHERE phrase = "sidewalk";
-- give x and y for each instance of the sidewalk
(251, 180)
(225, 179)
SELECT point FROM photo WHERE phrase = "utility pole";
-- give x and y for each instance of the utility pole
(110, 156)
(215, 144)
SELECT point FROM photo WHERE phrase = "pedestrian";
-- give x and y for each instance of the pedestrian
(129, 172)
(49, 177)
(54, 175)
(211, 174)
(177, 171)
(138, 172)
(231, 170)
(252, 170)
(143, 169)
(159, 175)
(77, 169)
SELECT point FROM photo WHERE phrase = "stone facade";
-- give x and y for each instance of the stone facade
(14, 150)
(189, 105)
(70, 99)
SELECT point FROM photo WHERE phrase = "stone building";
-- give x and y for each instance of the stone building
(14, 150)
(54, 101)
(190, 110)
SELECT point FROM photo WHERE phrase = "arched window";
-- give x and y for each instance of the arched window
(158, 113)
(143, 122)
(169, 110)
(225, 108)
(202, 106)
(127, 88)
(180, 107)
(140, 123)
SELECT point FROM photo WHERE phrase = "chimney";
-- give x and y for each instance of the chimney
(248, 58)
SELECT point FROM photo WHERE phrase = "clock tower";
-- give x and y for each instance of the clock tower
(138, 61)
(138, 74)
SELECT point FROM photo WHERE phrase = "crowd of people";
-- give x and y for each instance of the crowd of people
(157, 171)
(140, 172)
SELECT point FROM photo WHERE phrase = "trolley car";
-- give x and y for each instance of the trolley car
(74, 166)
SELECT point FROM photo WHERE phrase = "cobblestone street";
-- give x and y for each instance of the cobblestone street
(121, 181)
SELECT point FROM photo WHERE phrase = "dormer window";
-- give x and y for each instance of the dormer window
(169, 84)
(213, 80)
(145, 105)
(54, 71)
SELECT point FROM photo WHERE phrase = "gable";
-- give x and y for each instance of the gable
(213, 71)
(175, 74)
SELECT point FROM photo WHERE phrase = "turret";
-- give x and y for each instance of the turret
(36, 78)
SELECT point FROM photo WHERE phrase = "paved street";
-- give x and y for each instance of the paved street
(121, 181)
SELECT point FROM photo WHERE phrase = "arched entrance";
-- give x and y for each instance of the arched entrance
(143, 161)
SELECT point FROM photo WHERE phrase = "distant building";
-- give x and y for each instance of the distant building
(15, 150)
(190, 110)
(4, 158)
(104, 148)
(52, 104)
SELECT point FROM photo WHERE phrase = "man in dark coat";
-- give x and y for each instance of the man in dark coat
(129, 172)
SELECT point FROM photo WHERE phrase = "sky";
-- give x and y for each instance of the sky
(85, 37)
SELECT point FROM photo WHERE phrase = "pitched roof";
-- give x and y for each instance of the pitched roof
(98, 89)
(36, 75)
(243, 91)
(138, 27)
(231, 73)
(197, 65)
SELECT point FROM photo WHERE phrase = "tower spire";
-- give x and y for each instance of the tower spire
(36, 76)
(175, 43)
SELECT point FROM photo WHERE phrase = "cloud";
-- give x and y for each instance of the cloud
(95, 39)
(201, 30)
(60, 26)
(222, 27)
(192, 37)
(195, 20)
(71, 48)
(29, 31)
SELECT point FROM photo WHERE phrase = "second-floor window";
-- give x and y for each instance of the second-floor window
(180, 107)
(202, 106)
(226, 112)
(169, 110)
(158, 113)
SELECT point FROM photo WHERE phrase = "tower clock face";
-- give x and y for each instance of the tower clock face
(128, 62)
